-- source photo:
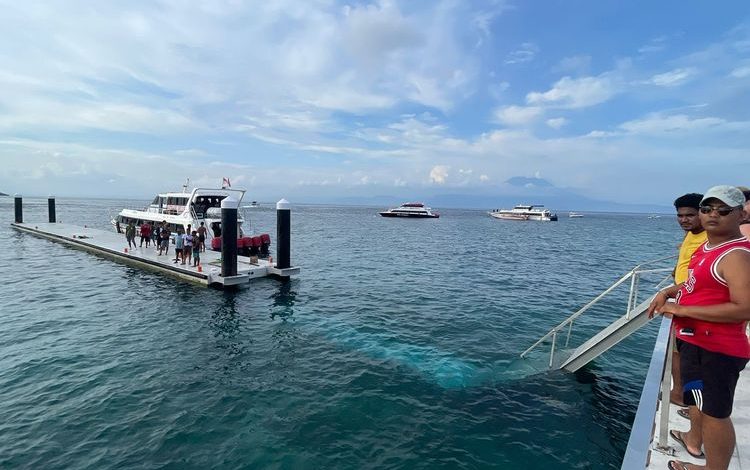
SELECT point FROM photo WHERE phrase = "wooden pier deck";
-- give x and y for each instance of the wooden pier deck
(114, 246)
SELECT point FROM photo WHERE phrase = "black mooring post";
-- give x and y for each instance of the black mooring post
(283, 234)
(19, 209)
(51, 206)
(229, 237)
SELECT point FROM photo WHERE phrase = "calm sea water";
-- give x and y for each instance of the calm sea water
(396, 347)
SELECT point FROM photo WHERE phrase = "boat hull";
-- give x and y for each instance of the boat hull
(409, 216)
(523, 217)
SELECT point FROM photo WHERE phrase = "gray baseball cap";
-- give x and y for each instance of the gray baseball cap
(729, 195)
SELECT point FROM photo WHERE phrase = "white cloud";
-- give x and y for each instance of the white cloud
(484, 178)
(672, 78)
(439, 174)
(655, 45)
(557, 123)
(656, 124)
(516, 115)
(575, 93)
(525, 53)
(741, 72)
(573, 64)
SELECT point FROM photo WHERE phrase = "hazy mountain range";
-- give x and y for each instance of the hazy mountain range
(516, 190)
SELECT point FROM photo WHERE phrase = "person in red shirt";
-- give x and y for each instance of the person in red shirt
(145, 233)
(710, 314)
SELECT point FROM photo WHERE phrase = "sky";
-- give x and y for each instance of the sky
(313, 100)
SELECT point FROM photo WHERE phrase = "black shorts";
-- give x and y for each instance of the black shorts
(178, 251)
(709, 379)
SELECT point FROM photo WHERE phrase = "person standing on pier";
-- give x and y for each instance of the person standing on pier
(689, 220)
(196, 251)
(187, 252)
(130, 234)
(145, 233)
(202, 237)
(164, 234)
(710, 313)
(154, 235)
(179, 244)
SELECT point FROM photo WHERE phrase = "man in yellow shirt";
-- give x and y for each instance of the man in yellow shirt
(695, 236)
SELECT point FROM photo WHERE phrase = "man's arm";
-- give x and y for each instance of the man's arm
(660, 299)
(735, 269)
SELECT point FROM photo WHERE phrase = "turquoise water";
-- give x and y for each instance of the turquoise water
(396, 347)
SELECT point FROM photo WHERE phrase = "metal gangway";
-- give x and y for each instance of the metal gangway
(636, 315)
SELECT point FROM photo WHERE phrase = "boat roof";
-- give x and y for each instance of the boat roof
(203, 192)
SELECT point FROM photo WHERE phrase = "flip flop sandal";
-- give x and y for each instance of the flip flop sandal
(676, 465)
(677, 436)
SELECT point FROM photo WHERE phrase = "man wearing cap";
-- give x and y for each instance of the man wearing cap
(710, 312)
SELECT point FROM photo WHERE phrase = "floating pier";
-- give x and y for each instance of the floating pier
(213, 270)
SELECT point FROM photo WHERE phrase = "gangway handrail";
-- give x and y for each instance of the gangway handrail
(633, 273)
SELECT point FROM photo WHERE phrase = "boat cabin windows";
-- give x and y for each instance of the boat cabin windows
(203, 203)
(175, 205)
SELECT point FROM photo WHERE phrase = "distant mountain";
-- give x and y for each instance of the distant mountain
(3, 194)
(515, 190)
(529, 182)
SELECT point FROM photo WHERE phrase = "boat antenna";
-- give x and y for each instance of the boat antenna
(185, 186)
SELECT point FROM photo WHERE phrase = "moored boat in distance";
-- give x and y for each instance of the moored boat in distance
(524, 212)
(575, 215)
(415, 210)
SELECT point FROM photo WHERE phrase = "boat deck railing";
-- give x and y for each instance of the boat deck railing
(634, 276)
(658, 381)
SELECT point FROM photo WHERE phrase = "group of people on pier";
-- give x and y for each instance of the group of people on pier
(710, 305)
(188, 243)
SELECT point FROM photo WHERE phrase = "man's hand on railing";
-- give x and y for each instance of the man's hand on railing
(656, 305)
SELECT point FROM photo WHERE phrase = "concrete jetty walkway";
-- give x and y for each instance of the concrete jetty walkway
(114, 246)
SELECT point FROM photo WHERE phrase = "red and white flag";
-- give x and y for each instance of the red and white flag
(225, 183)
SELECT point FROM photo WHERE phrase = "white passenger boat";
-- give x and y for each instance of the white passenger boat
(575, 215)
(523, 212)
(411, 209)
(184, 209)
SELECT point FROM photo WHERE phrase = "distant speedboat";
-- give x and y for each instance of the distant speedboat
(653, 216)
(415, 210)
(523, 212)
(575, 215)
(252, 205)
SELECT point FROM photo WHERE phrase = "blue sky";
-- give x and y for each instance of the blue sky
(312, 100)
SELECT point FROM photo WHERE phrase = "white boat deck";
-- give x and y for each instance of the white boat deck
(740, 418)
(115, 246)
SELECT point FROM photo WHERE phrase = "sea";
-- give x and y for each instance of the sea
(396, 347)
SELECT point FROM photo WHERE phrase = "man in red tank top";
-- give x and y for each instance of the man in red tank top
(710, 312)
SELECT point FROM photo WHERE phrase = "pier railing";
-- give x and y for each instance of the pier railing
(634, 276)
